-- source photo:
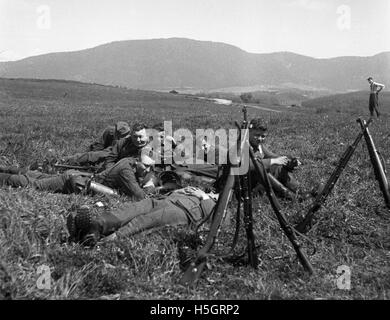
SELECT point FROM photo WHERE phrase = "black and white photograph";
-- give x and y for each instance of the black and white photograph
(194, 154)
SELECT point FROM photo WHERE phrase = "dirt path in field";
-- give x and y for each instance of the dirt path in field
(230, 103)
(240, 105)
(257, 107)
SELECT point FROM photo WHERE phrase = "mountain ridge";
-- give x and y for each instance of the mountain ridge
(181, 62)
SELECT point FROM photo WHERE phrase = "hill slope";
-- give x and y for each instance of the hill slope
(183, 63)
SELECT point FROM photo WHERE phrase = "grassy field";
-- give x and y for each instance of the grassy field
(44, 119)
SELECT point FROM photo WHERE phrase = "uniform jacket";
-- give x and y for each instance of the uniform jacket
(195, 208)
(123, 148)
(106, 140)
(263, 154)
(122, 176)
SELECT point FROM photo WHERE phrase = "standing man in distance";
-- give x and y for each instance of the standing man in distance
(375, 88)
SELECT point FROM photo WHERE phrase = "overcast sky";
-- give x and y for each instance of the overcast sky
(317, 28)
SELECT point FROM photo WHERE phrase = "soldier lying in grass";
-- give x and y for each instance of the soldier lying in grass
(71, 181)
(129, 176)
(110, 136)
(279, 166)
(99, 150)
(130, 146)
(186, 206)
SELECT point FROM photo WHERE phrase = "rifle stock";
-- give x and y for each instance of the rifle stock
(306, 224)
(193, 272)
(248, 214)
(65, 166)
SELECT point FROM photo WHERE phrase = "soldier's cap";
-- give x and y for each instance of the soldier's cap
(122, 128)
(170, 177)
(258, 124)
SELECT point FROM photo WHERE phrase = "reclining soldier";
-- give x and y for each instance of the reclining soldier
(131, 177)
(278, 166)
(110, 136)
(99, 150)
(205, 168)
(71, 181)
(187, 206)
(130, 146)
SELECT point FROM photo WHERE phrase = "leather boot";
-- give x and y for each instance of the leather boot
(83, 228)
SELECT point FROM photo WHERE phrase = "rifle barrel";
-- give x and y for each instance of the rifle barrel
(305, 225)
(376, 163)
(193, 272)
(287, 229)
(65, 166)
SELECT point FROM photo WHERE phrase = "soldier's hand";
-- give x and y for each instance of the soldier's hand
(192, 191)
(280, 161)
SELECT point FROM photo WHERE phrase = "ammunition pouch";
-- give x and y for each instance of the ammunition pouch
(196, 209)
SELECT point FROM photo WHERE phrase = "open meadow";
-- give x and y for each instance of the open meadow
(52, 119)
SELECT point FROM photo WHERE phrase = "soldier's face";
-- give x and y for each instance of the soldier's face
(256, 137)
(140, 138)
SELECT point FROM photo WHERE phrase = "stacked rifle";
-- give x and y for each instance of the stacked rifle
(379, 170)
(241, 185)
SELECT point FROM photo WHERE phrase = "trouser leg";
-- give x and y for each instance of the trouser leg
(373, 104)
(167, 215)
(121, 216)
(377, 106)
(87, 158)
(281, 183)
(11, 169)
(207, 170)
(281, 174)
(13, 180)
(371, 111)
(52, 184)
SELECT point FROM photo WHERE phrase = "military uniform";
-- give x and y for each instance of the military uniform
(122, 176)
(88, 158)
(279, 172)
(135, 217)
(123, 148)
(71, 181)
(110, 135)
(107, 139)
(99, 150)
